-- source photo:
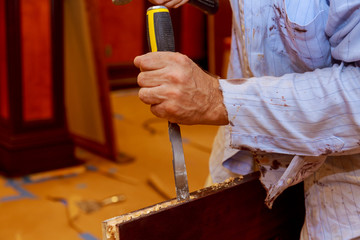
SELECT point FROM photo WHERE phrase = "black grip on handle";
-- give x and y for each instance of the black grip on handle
(161, 26)
(208, 6)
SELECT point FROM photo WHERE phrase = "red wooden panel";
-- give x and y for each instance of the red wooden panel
(4, 105)
(36, 59)
(193, 42)
(122, 30)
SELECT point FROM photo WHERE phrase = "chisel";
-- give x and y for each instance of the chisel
(160, 37)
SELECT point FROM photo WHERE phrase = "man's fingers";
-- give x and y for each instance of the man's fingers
(144, 79)
(172, 3)
(152, 61)
(158, 2)
(169, 3)
(149, 96)
(180, 3)
(157, 110)
(165, 110)
(151, 79)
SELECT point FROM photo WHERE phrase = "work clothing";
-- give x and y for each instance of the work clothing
(293, 99)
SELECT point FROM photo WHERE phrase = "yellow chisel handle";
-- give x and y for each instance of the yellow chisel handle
(159, 29)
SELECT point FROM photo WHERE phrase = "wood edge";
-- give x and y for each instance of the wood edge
(110, 226)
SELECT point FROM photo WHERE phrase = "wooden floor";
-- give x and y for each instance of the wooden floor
(48, 205)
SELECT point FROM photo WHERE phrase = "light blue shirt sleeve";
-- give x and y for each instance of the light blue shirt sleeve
(312, 113)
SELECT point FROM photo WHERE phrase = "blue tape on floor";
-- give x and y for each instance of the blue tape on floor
(118, 116)
(29, 180)
(23, 193)
(87, 236)
(64, 202)
(81, 186)
(112, 170)
(91, 168)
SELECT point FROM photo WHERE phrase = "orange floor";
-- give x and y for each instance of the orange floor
(53, 205)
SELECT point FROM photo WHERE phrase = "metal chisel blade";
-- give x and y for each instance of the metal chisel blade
(181, 182)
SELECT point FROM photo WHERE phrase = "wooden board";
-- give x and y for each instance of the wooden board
(235, 210)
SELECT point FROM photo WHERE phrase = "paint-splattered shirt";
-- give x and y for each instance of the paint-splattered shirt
(293, 98)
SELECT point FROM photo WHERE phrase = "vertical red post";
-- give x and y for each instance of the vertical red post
(36, 59)
(4, 110)
(33, 132)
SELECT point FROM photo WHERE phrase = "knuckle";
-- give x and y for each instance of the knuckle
(174, 77)
(141, 79)
(158, 1)
(144, 61)
(174, 94)
(178, 57)
(142, 94)
(158, 110)
(183, 59)
(147, 59)
(172, 110)
(171, 3)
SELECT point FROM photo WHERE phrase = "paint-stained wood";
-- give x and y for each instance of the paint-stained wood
(236, 211)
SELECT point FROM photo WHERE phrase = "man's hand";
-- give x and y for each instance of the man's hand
(169, 3)
(178, 90)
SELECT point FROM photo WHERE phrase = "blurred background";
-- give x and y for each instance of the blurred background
(77, 146)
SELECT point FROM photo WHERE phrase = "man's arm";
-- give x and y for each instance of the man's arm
(314, 113)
